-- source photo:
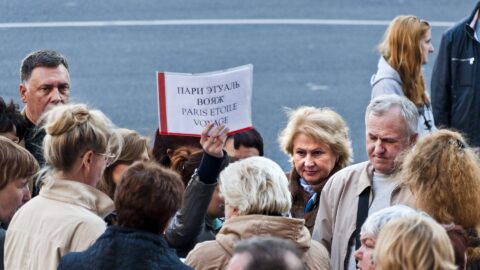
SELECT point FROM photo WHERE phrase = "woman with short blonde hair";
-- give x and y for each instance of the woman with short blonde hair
(317, 142)
(68, 213)
(257, 202)
(414, 242)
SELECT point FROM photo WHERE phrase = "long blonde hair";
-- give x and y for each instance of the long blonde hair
(401, 47)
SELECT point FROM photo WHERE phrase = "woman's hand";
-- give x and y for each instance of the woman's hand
(214, 144)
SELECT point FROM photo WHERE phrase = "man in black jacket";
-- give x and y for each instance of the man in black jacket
(456, 79)
(44, 83)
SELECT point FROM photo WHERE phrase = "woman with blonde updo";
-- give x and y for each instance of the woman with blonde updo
(68, 213)
(414, 242)
(404, 49)
(134, 149)
(443, 174)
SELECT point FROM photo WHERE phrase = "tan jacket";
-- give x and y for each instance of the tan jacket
(216, 254)
(66, 216)
(337, 215)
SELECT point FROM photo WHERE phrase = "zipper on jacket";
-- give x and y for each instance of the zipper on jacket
(470, 60)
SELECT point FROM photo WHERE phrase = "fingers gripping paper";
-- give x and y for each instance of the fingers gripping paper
(189, 102)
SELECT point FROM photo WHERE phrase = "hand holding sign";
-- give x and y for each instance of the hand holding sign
(190, 102)
(214, 144)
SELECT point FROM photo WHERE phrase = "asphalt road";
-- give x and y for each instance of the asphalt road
(113, 66)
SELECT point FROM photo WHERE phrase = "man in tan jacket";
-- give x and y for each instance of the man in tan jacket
(391, 124)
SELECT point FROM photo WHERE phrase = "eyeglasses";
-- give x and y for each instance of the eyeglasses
(109, 158)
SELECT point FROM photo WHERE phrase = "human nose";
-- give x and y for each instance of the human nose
(431, 49)
(56, 96)
(358, 254)
(309, 161)
(379, 149)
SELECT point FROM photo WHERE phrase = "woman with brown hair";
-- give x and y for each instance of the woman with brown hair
(134, 149)
(404, 49)
(443, 174)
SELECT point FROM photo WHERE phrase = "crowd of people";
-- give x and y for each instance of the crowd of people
(78, 192)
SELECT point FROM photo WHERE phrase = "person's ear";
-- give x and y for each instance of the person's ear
(23, 92)
(87, 159)
(169, 152)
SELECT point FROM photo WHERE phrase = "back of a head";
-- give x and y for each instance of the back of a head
(184, 161)
(256, 185)
(148, 197)
(42, 58)
(162, 143)
(415, 242)
(443, 173)
(71, 130)
(10, 117)
(249, 138)
(133, 147)
(273, 253)
(15, 162)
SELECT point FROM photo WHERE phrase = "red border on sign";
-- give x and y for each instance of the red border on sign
(162, 103)
(199, 135)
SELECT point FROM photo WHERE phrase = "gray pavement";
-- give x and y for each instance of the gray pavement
(113, 68)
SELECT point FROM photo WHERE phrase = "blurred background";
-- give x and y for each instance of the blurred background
(316, 53)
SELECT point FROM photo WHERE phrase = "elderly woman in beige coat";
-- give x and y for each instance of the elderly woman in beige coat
(257, 202)
(68, 213)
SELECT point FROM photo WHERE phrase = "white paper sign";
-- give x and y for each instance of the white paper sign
(189, 102)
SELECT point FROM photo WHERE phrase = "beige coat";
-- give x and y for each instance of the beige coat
(216, 254)
(66, 216)
(337, 215)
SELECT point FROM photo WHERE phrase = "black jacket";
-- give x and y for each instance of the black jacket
(190, 224)
(456, 81)
(123, 248)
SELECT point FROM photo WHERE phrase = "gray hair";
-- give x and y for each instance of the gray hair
(256, 185)
(376, 221)
(382, 104)
(42, 58)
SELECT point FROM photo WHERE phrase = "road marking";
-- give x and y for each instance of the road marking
(206, 22)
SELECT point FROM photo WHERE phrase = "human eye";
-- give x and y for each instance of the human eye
(300, 152)
(317, 152)
(64, 88)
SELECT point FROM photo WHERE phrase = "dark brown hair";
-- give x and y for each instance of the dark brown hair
(148, 196)
(164, 142)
